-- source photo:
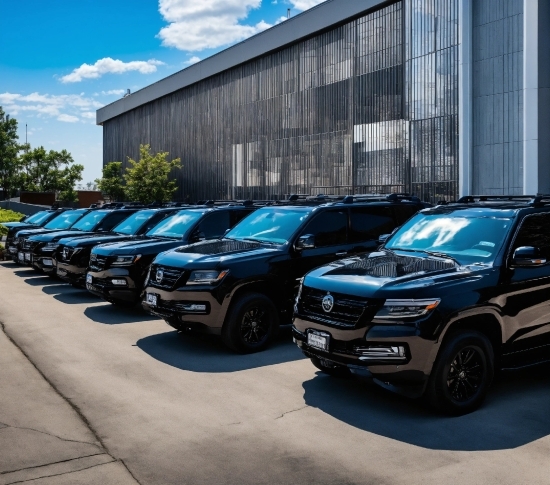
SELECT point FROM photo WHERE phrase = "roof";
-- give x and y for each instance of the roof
(319, 18)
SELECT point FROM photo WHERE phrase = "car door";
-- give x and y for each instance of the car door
(527, 292)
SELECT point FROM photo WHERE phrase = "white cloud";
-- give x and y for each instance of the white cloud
(206, 24)
(305, 4)
(193, 60)
(111, 92)
(88, 114)
(65, 107)
(67, 118)
(110, 66)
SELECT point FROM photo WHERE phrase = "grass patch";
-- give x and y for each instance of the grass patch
(8, 216)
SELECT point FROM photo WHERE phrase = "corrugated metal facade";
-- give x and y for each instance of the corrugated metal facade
(369, 106)
(498, 97)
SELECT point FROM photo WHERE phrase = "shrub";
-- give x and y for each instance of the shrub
(8, 216)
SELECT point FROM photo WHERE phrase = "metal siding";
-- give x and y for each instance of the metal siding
(369, 106)
(497, 96)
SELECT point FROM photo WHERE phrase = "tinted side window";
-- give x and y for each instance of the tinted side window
(238, 215)
(113, 220)
(329, 228)
(214, 225)
(404, 212)
(368, 223)
(535, 231)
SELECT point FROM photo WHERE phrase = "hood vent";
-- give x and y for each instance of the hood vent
(219, 246)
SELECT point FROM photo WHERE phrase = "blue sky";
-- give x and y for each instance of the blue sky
(60, 60)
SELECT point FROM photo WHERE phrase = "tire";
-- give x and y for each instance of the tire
(251, 325)
(334, 371)
(462, 373)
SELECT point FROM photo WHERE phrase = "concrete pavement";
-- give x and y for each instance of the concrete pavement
(186, 410)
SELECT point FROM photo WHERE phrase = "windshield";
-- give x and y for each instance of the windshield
(37, 218)
(468, 239)
(134, 223)
(271, 225)
(177, 225)
(89, 221)
(64, 220)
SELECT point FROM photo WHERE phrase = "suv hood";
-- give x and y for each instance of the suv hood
(228, 251)
(93, 240)
(385, 274)
(139, 245)
(55, 236)
(32, 231)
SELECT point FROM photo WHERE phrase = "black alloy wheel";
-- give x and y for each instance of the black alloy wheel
(462, 373)
(251, 324)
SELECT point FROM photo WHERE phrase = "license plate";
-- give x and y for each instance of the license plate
(28, 257)
(47, 262)
(151, 299)
(21, 257)
(89, 279)
(13, 250)
(61, 271)
(318, 341)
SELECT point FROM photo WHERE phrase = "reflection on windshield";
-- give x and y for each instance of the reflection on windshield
(467, 239)
(37, 218)
(64, 221)
(269, 225)
(133, 223)
(177, 225)
(89, 221)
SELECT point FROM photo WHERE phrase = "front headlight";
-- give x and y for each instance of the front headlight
(51, 245)
(206, 277)
(126, 260)
(407, 308)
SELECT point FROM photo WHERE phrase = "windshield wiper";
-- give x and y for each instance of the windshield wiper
(257, 241)
(439, 254)
(401, 249)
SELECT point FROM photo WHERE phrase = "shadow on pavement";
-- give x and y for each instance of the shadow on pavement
(40, 280)
(514, 414)
(203, 353)
(114, 315)
(66, 293)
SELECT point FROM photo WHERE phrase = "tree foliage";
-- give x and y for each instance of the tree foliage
(148, 179)
(112, 182)
(10, 165)
(51, 171)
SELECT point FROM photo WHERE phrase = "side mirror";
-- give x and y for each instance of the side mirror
(307, 241)
(197, 236)
(383, 238)
(527, 256)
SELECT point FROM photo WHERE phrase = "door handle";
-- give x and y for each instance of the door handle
(341, 253)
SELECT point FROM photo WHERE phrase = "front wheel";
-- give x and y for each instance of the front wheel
(462, 373)
(251, 324)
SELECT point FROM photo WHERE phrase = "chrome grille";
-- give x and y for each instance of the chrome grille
(346, 310)
(164, 276)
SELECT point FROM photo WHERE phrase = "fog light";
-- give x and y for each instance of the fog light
(119, 282)
(47, 262)
(382, 353)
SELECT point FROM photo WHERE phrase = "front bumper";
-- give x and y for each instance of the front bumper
(188, 310)
(396, 356)
(72, 274)
(45, 263)
(101, 285)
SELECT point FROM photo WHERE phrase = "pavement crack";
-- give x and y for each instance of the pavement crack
(54, 436)
(292, 411)
(64, 473)
(52, 463)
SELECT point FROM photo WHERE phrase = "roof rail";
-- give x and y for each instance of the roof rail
(470, 199)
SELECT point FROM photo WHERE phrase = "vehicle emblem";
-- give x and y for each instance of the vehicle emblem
(328, 302)
(159, 275)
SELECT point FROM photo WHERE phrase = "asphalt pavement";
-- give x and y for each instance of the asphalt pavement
(98, 382)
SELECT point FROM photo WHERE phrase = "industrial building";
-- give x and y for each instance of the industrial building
(440, 98)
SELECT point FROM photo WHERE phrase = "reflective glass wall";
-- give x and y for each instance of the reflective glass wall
(369, 106)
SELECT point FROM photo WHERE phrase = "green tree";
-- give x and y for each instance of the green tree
(147, 180)
(51, 171)
(10, 164)
(112, 182)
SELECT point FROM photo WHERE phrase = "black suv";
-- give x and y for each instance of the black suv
(73, 254)
(40, 219)
(42, 246)
(63, 221)
(118, 271)
(458, 291)
(242, 286)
